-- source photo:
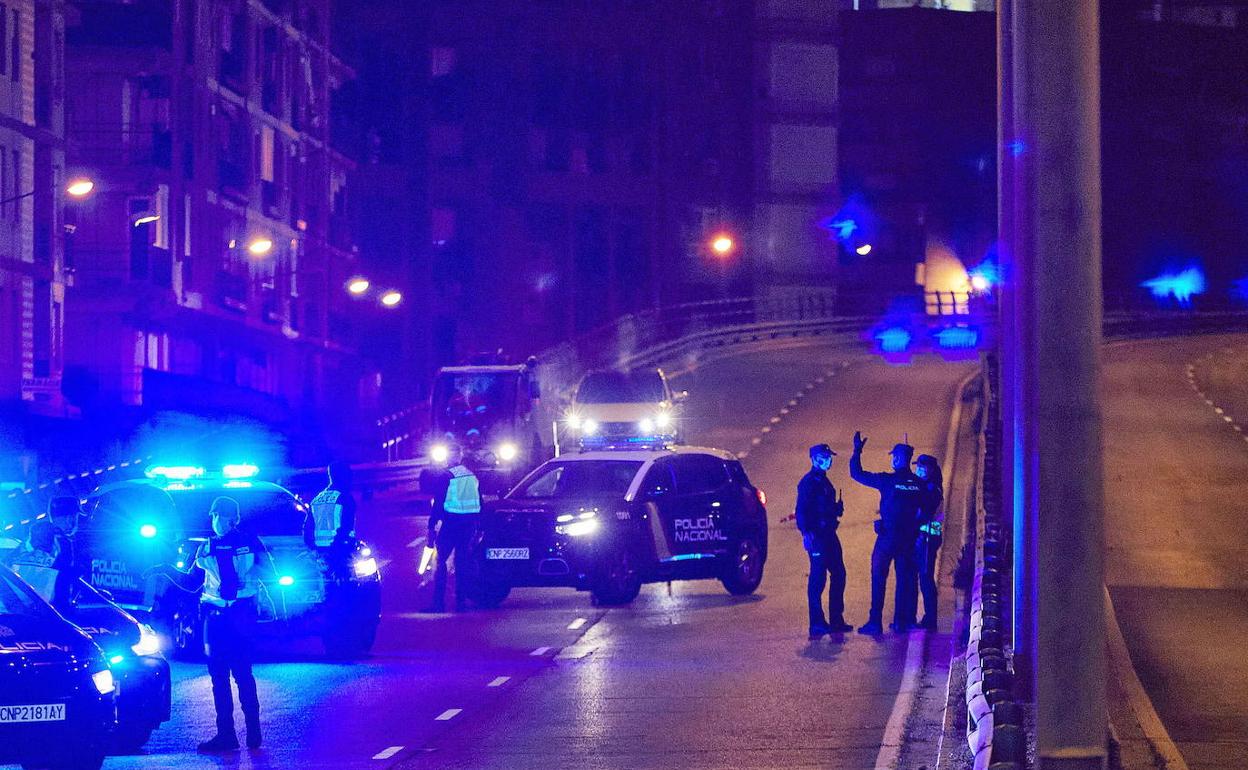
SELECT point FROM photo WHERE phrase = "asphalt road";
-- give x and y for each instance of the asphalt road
(685, 677)
(1176, 449)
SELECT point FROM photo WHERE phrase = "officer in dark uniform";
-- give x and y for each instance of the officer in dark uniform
(233, 562)
(901, 499)
(329, 526)
(930, 536)
(818, 515)
(47, 560)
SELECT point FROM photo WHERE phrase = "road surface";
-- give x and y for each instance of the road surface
(1176, 475)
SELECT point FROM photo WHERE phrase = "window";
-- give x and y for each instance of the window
(699, 474)
(4, 39)
(442, 225)
(621, 388)
(572, 480)
(659, 480)
(16, 49)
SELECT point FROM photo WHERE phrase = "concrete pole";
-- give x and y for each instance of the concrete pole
(1056, 94)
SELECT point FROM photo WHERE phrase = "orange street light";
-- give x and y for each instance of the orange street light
(79, 187)
(259, 247)
(358, 285)
(391, 298)
(722, 244)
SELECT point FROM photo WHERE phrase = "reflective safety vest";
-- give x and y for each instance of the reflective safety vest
(36, 568)
(463, 495)
(229, 564)
(327, 516)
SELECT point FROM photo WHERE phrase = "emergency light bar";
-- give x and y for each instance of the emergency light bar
(240, 471)
(174, 472)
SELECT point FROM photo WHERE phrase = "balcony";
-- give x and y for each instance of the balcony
(107, 145)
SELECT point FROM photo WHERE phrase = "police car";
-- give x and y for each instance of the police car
(57, 692)
(609, 521)
(134, 529)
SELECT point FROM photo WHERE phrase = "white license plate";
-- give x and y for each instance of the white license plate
(506, 553)
(46, 712)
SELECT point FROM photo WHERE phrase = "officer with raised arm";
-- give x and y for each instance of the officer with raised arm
(901, 502)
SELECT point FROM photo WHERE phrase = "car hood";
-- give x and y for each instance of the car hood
(108, 625)
(43, 637)
(627, 412)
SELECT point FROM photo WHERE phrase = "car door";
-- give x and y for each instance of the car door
(276, 517)
(699, 515)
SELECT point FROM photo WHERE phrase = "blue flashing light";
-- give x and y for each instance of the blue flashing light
(238, 485)
(894, 339)
(174, 472)
(240, 471)
(285, 580)
(689, 557)
(957, 337)
(1016, 147)
(114, 660)
(181, 565)
(842, 228)
(1239, 289)
(1182, 286)
(148, 530)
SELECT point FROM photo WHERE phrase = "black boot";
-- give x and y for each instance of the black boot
(253, 732)
(219, 744)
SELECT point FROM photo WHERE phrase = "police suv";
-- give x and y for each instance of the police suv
(57, 692)
(609, 521)
(137, 528)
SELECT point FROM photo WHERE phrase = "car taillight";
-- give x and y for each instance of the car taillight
(762, 496)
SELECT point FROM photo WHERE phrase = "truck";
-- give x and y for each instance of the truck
(496, 414)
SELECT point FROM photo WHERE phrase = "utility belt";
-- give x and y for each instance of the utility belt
(932, 528)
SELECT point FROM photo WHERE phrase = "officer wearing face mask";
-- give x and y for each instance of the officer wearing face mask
(818, 514)
(902, 496)
(233, 561)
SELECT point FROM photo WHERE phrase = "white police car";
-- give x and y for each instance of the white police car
(609, 521)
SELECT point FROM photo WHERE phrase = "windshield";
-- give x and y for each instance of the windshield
(620, 388)
(184, 513)
(566, 480)
(471, 404)
(16, 598)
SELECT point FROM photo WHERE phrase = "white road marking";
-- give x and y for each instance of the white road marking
(540, 651)
(1209, 402)
(577, 624)
(894, 731)
(755, 441)
(448, 715)
(785, 410)
(575, 652)
(775, 420)
(387, 753)
(1217, 410)
(766, 429)
(1228, 418)
(793, 403)
(499, 681)
(418, 542)
(742, 454)
(1237, 428)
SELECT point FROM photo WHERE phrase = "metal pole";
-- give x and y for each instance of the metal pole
(1056, 96)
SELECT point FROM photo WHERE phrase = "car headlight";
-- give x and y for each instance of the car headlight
(589, 427)
(578, 528)
(365, 567)
(507, 451)
(646, 425)
(574, 421)
(439, 453)
(663, 419)
(103, 681)
(149, 641)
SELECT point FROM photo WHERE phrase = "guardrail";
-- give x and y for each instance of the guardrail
(994, 721)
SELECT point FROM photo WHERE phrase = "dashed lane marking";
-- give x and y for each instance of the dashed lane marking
(499, 681)
(448, 715)
(387, 753)
(577, 624)
(540, 651)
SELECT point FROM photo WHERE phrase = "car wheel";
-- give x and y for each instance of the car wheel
(87, 757)
(129, 738)
(742, 576)
(619, 583)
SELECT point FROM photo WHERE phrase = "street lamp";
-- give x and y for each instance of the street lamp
(358, 285)
(391, 298)
(259, 247)
(722, 244)
(79, 187)
(863, 250)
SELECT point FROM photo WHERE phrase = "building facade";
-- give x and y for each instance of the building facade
(33, 276)
(209, 268)
(571, 161)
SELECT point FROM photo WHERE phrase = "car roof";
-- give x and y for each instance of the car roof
(645, 455)
(488, 369)
(230, 486)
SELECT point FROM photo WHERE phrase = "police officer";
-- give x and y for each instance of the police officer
(233, 562)
(47, 560)
(451, 528)
(929, 538)
(901, 498)
(330, 524)
(818, 515)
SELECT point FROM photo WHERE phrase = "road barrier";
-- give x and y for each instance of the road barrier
(994, 722)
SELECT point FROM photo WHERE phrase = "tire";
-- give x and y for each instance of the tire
(619, 583)
(89, 757)
(130, 738)
(745, 572)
